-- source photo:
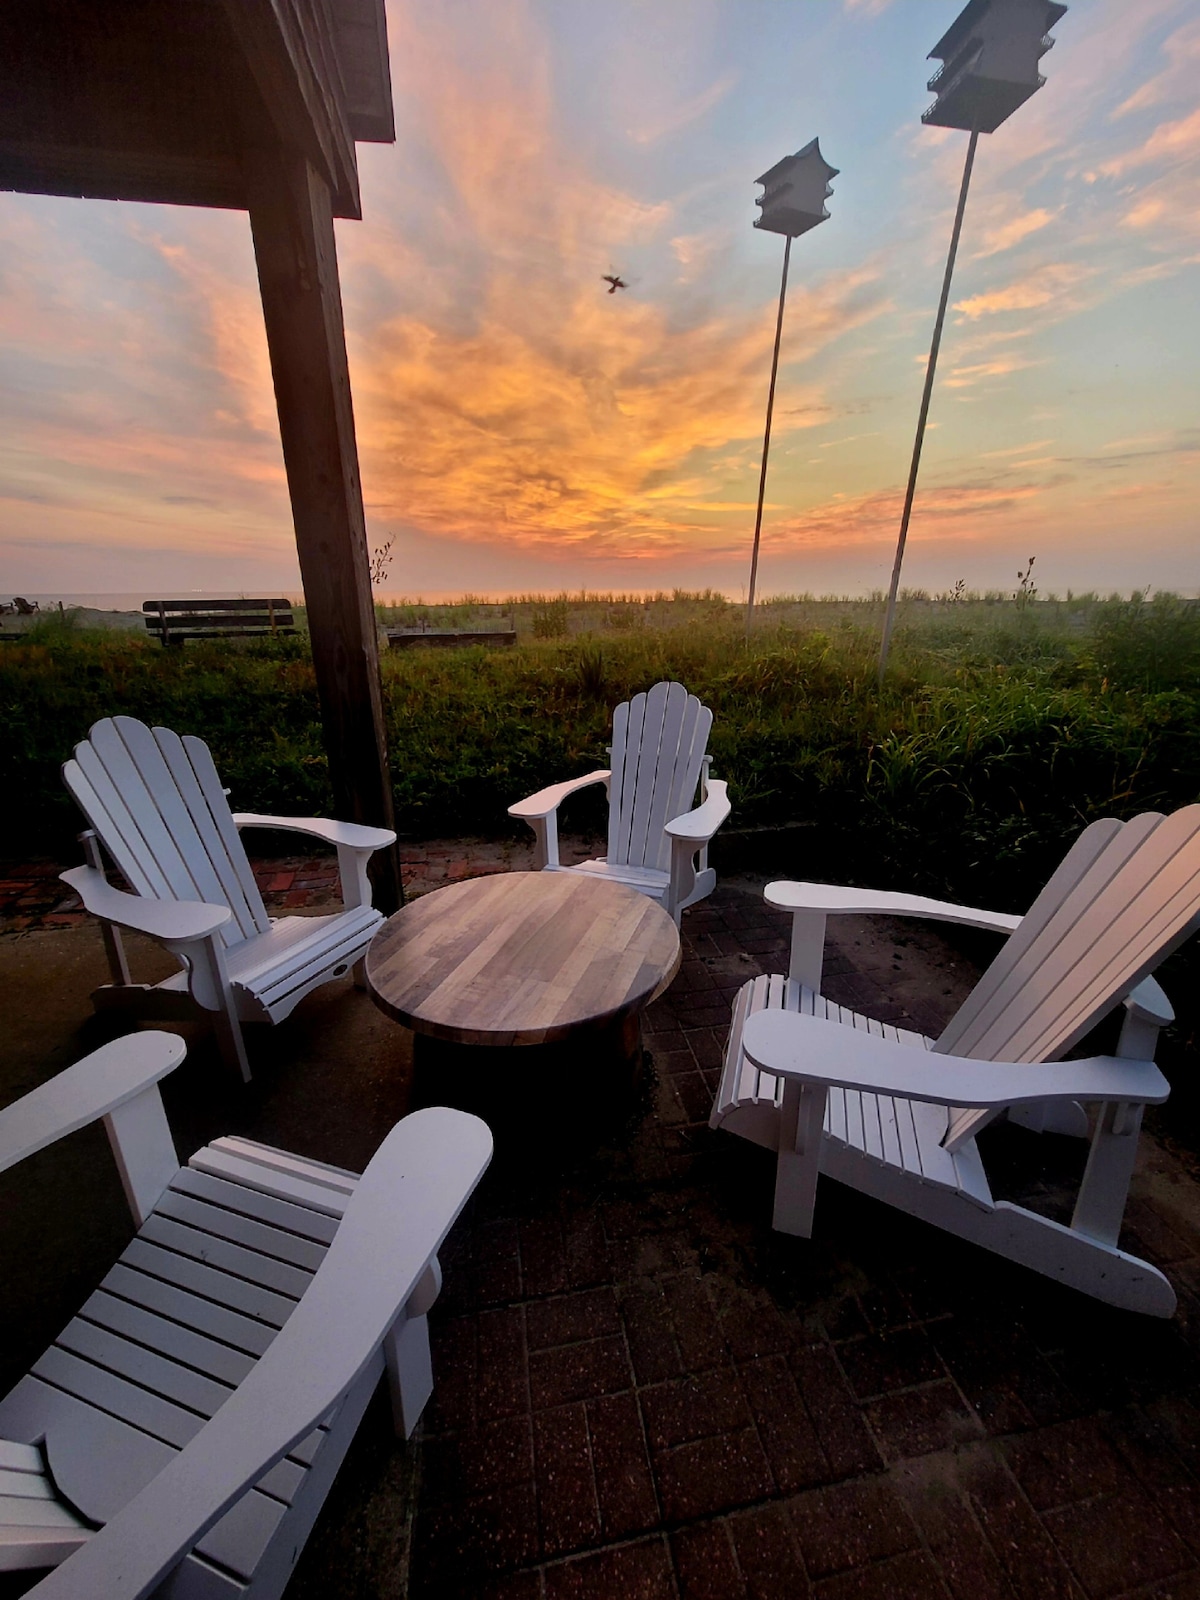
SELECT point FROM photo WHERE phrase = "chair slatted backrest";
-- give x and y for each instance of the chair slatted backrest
(659, 739)
(1125, 896)
(156, 802)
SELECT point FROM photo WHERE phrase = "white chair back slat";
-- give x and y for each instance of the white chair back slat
(144, 832)
(93, 792)
(181, 808)
(660, 735)
(1137, 902)
(659, 742)
(1143, 914)
(163, 808)
(634, 734)
(651, 846)
(679, 773)
(214, 821)
(994, 993)
(166, 825)
(616, 762)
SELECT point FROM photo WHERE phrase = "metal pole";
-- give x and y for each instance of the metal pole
(762, 477)
(890, 614)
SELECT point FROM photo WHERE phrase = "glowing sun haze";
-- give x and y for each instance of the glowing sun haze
(521, 428)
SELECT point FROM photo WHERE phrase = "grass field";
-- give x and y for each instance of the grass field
(1003, 726)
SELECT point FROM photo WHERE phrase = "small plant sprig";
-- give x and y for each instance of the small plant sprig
(1026, 588)
(381, 560)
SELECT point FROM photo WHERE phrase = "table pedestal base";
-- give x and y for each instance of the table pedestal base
(572, 1093)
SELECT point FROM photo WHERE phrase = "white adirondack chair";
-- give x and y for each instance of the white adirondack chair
(198, 1407)
(156, 804)
(655, 829)
(895, 1114)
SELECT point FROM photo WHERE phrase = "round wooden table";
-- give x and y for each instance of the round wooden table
(520, 960)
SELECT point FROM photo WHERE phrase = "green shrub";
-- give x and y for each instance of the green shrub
(997, 736)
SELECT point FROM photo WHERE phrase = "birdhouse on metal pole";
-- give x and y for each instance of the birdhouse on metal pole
(989, 57)
(795, 191)
(793, 201)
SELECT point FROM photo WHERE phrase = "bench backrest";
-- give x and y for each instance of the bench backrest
(157, 804)
(659, 740)
(176, 620)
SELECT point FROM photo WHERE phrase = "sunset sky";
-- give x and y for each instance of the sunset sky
(521, 429)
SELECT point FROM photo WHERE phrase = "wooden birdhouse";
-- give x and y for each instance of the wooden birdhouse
(795, 191)
(989, 57)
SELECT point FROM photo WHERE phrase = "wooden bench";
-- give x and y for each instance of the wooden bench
(447, 638)
(173, 621)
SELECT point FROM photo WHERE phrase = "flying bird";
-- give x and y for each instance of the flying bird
(613, 281)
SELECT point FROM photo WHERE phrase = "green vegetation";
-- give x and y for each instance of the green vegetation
(1003, 727)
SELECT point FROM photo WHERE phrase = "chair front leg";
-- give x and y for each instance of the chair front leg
(114, 945)
(808, 949)
(545, 841)
(801, 1127)
(1100, 1205)
(406, 1353)
(144, 1150)
(683, 877)
(213, 992)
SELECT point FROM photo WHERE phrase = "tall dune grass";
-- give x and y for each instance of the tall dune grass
(999, 733)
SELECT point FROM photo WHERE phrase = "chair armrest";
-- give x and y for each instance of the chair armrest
(697, 827)
(547, 801)
(91, 1089)
(817, 1051)
(402, 1208)
(175, 922)
(352, 835)
(833, 900)
(1147, 1003)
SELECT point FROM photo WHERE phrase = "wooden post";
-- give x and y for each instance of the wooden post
(291, 218)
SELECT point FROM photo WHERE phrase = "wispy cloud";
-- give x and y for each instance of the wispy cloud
(1037, 288)
(686, 113)
(1008, 234)
(1182, 49)
(962, 377)
(1174, 141)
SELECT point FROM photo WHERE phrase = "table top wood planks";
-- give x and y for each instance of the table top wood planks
(522, 958)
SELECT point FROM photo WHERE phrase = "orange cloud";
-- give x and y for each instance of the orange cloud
(550, 414)
(1179, 77)
(1010, 233)
(1170, 141)
(1038, 288)
(963, 377)
(958, 511)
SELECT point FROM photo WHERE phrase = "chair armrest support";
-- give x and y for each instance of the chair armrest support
(831, 900)
(403, 1207)
(696, 828)
(540, 811)
(172, 922)
(816, 1051)
(546, 801)
(355, 843)
(95, 1087)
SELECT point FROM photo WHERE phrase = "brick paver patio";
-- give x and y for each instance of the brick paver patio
(642, 1391)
